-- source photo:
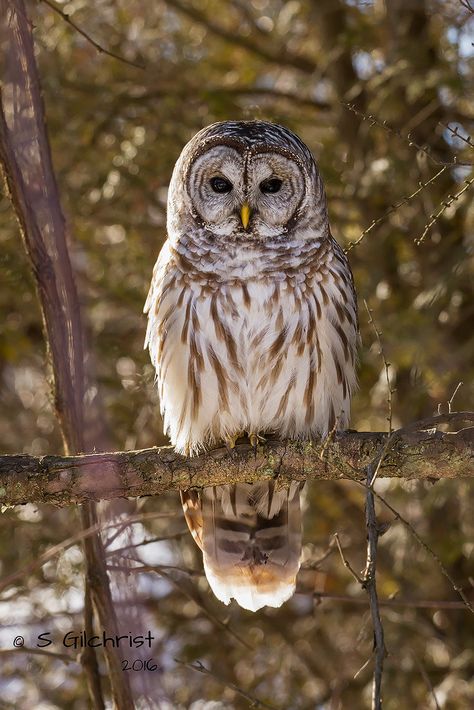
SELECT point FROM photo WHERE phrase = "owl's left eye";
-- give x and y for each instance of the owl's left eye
(268, 187)
(220, 185)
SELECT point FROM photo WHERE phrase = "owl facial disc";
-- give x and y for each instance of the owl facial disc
(248, 181)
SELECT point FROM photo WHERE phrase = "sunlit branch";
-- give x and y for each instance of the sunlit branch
(418, 451)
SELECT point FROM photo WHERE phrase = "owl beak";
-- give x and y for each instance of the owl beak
(245, 214)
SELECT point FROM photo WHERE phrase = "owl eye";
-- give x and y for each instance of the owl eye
(220, 185)
(268, 187)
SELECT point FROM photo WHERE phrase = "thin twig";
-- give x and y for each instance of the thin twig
(198, 666)
(455, 132)
(316, 564)
(264, 50)
(450, 401)
(444, 206)
(398, 516)
(427, 549)
(387, 366)
(96, 45)
(139, 568)
(193, 596)
(408, 138)
(394, 208)
(142, 543)
(422, 543)
(328, 439)
(446, 604)
(39, 652)
(370, 585)
(69, 542)
(362, 668)
(467, 5)
(426, 678)
(346, 562)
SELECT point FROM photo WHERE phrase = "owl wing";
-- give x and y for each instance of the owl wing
(250, 535)
(157, 285)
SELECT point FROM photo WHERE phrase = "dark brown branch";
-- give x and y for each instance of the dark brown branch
(415, 452)
(370, 585)
(467, 5)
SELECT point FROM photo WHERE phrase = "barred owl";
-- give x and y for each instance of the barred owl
(252, 328)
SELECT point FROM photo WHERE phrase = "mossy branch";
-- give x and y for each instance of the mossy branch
(418, 451)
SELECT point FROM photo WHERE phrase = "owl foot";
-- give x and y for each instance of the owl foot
(230, 441)
(255, 439)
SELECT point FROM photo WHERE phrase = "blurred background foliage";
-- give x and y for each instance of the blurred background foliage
(406, 68)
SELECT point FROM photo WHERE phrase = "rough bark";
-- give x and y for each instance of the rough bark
(416, 452)
(25, 157)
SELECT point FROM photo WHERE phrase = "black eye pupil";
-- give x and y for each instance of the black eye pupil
(270, 186)
(221, 185)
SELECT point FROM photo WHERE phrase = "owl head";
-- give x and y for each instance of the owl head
(247, 181)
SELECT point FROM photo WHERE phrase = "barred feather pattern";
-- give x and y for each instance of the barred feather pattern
(255, 335)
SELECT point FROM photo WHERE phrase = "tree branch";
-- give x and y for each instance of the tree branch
(102, 50)
(370, 585)
(266, 51)
(415, 452)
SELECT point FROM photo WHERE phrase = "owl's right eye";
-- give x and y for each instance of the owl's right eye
(221, 185)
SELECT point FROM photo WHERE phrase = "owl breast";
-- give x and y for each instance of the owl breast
(273, 351)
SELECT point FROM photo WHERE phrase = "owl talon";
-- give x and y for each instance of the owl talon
(230, 441)
(255, 439)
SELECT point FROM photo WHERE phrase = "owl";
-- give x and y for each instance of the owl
(252, 329)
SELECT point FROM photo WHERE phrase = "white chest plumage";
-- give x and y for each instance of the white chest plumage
(270, 352)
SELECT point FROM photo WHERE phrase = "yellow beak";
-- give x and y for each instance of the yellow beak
(245, 214)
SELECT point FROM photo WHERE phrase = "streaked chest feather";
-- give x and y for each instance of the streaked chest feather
(257, 354)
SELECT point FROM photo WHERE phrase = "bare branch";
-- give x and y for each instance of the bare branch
(450, 401)
(423, 544)
(455, 132)
(346, 562)
(378, 334)
(67, 18)
(370, 584)
(266, 51)
(408, 138)
(447, 604)
(192, 593)
(417, 451)
(444, 206)
(467, 5)
(69, 542)
(319, 597)
(39, 652)
(254, 702)
(395, 208)
(426, 678)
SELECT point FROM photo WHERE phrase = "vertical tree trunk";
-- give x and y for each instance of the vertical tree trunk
(26, 160)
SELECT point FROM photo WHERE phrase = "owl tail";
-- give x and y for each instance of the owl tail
(250, 535)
